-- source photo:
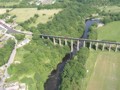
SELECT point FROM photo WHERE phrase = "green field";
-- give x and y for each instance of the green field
(24, 14)
(106, 74)
(111, 31)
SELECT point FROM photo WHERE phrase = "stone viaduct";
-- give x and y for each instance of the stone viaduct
(61, 40)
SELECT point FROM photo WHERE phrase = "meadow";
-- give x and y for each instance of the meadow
(110, 31)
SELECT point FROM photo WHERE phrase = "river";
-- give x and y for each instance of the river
(54, 78)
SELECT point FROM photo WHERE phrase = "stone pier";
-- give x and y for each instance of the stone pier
(60, 42)
(42, 37)
(48, 37)
(109, 47)
(96, 46)
(90, 45)
(116, 49)
(71, 45)
(84, 44)
(66, 42)
(78, 45)
(103, 48)
(54, 41)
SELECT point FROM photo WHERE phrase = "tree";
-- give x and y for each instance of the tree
(19, 36)
(36, 15)
(93, 32)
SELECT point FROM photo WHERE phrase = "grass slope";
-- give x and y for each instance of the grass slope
(106, 72)
(110, 31)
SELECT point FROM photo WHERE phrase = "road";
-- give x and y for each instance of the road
(10, 30)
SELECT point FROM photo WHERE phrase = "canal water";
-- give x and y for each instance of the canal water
(54, 79)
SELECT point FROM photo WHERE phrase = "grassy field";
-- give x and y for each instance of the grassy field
(111, 9)
(25, 13)
(111, 31)
(106, 74)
